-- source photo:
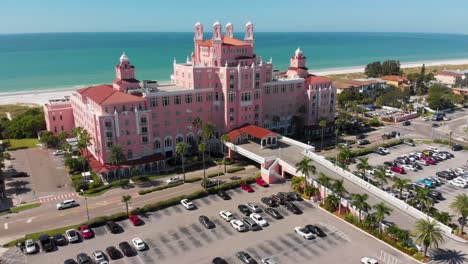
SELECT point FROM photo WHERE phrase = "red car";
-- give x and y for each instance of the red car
(261, 182)
(429, 160)
(246, 188)
(398, 169)
(136, 221)
(86, 232)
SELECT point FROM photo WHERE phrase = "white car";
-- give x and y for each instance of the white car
(238, 225)
(433, 149)
(259, 219)
(422, 162)
(268, 260)
(372, 171)
(458, 183)
(384, 150)
(409, 167)
(389, 173)
(461, 179)
(226, 215)
(98, 256)
(303, 232)
(66, 204)
(253, 207)
(460, 170)
(441, 155)
(366, 260)
(72, 235)
(30, 246)
(175, 179)
(138, 244)
(187, 204)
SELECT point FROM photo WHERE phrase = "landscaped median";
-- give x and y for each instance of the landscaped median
(100, 221)
(21, 208)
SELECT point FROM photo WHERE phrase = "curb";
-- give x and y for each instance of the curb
(367, 234)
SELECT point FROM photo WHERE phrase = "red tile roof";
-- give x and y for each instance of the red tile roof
(255, 131)
(312, 79)
(394, 78)
(450, 73)
(226, 41)
(105, 94)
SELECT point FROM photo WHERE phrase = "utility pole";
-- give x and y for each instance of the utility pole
(86, 201)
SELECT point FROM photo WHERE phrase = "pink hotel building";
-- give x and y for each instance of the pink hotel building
(224, 82)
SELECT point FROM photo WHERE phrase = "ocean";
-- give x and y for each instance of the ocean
(64, 60)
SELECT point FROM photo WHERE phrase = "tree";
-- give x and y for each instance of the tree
(84, 141)
(373, 69)
(202, 149)
(400, 184)
(116, 155)
(208, 132)
(391, 67)
(305, 167)
(363, 165)
(428, 234)
(442, 217)
(439, 97)
(324, 180)
(181, 149)
(197, 123)
(345, 155)
(381, 210)
(460, 206)
(380, 174)
(49, 139)
(322, 124)
(359, 201)
(338, 187)
(224, 139)
(422, 199)
(126, 199)
(331, 203)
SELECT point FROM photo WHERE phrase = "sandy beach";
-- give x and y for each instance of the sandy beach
(41, 97)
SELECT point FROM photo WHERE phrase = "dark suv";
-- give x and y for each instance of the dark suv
(46, 243)
(292, 208)
(113, 227)
(83, 258)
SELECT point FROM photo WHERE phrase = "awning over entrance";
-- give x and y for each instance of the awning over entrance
(242, 134)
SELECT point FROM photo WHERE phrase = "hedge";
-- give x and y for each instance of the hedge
(143, 192)
(235, 169)
(193, 179)
(211, 175)
(446, 142)
(113, 184)
(368, 150)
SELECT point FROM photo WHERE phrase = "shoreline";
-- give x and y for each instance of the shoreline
(42, 96)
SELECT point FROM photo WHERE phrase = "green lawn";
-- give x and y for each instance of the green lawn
(15, 144)
(18, 209)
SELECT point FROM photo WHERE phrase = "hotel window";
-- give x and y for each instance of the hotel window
(231, 77)
(257, 108)
(62, 128)
(188, 98)
(129, 142)
(165, 101)
(129, 154)
(291, 87)
(143, 120)
(144, 140)
(199, 98)
(53, 118)
(198, 76)
(124, 108)
(267, 90)
(108, 124)
(144, 130)
(177, 100)
(167, 122)
(168, 142)
(209, 97)
(232, 96)
(275, 89)
(154, 101)
(257, 85)
(231, 86)
(109, 134)
(257, 76)
(283, 88)
(257, 95)
(157, 144)
(60, 117)
(246, 97)
(216, 96)
(126, 122)
(109, 144)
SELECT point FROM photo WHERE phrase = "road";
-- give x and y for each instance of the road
(48, 217)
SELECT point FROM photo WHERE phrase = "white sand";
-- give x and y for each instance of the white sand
(41, 97)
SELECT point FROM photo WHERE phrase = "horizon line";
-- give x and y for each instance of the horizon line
(375, 32)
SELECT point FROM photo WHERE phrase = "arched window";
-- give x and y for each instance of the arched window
(190, 138)
(179, 139)
(157, 144)
(168, 142)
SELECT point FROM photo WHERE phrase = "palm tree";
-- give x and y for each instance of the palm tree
(460, 206)
(208, 132)
(423, 200)
(381, 210)
(380, 174)
(338, 187)
(126, 199)
(363, 165)
(324, 180)
(224, 138)
(322, 124)
(84, 141)
(305, 167)
(344, 155)
(116, 156)
(331, 203)
(359, 201)
(443, 217)
(428, 233)
(197, 122)
(202, 149)
(181, 149)
(400, 184)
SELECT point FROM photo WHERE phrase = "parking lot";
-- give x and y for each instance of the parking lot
(174, 235)
(448, 191)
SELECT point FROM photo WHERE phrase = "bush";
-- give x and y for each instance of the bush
(140, 178)
(349, 217)
(143, 192)
(98, 189)
(193, 179)
(368, 150)
(235, 169)
(211, 175)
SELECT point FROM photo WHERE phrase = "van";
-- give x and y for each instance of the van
(66, 204)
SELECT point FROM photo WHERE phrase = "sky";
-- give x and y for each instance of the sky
(37, 16)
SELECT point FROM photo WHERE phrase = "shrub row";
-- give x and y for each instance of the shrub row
(143, 192)
(368, 150)
(235, 169)
(113, 184)
(215, 174)
(446, 142)
(194, 179)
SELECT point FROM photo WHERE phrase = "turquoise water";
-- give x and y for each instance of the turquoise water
(64, 60)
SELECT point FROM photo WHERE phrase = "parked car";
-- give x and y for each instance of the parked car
(83, 258)
(72, 235)
(223, 195)
(422, 162)
(367, 260)
(244, 209)
(397, 170)
(246, 187)
(269, 202)
(445, 175)
(218, 260)
(261, 182)
(360, 136)
(238, 225)
(66, 204)
(363, 142)
(316, 230)
(126, 249)
(204, 220)
(409, 143)
(175, 179)
(292, 208)
(226, 215)
(408, 167)
(113, 253)
(406, 123)
(187, 204)
(277, 199)
(113, 227)
(259, 219)
(253, 207)
(19, 174)
(70, 261)
(30, 247)
(273, 213)
(60, 240)
(429, 160)
(285, 196)
(98, 256)
(251, 224)
(86, 232)
(295, 196)
(304, 232)
(135, 219)
(458, 183)
(138, 244)
(457, 147)
(268, 260)
(245, 257)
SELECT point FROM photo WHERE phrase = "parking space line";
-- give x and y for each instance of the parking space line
(5, 225)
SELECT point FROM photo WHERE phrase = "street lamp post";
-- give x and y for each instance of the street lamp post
(86, 202)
